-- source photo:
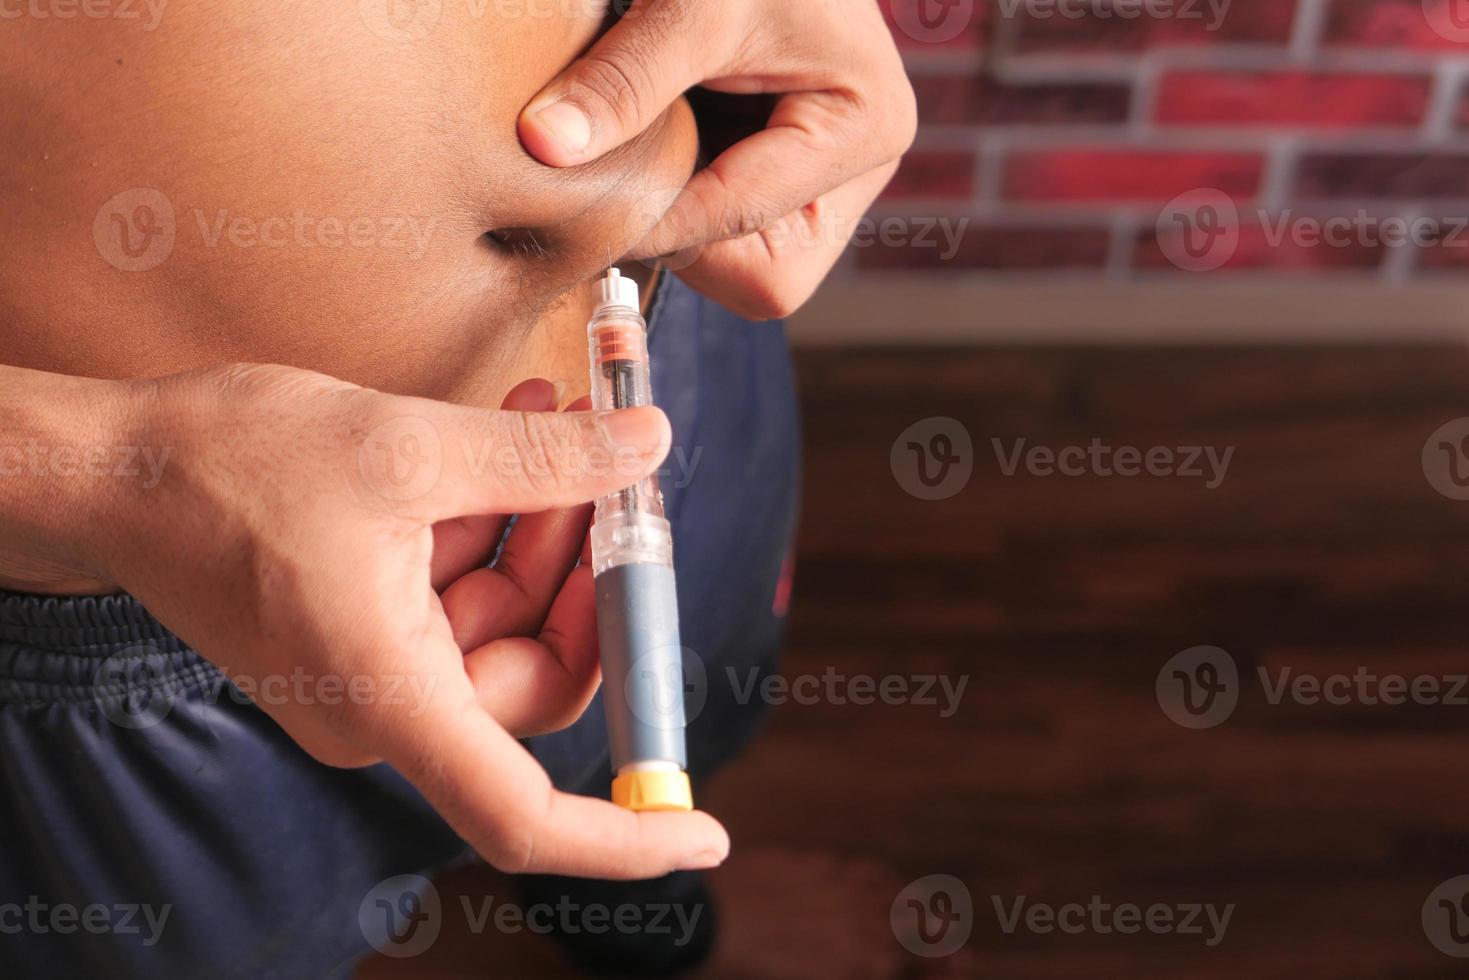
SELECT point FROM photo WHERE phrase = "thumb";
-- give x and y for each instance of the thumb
(472, 461)
(615, 91)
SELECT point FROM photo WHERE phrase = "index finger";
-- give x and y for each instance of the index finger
(814, 143)
(498, 798)
(771, 274)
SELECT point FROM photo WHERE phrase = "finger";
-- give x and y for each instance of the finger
(497, 797)
(464, 543)
(513, 597)
(533, 687)
(491, 603)
(772, 273)
(815, 142)
(472, 461)
(654, 54)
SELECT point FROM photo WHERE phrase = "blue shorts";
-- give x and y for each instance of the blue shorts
(155, 823)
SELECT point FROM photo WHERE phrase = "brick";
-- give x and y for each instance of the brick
(1463, 113)
(997, 248)
(1397, 24)
(1383, 175)
(934, 173)
(1280, 98)
(1259, 248)
(1043, 27)
(1127, 175)
(943, 25)
(1441, 258)
(1450, 251)
(981, 99)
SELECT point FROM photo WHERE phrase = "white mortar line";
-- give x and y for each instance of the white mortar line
(1212, 137)
(990, 175)
(1278, 180)
(1334, 308)
(1307, 29)
(1143, 104)
(1400, 263)
(942, 62)
(1243, 57)
(1122, 246)
(1440, 122)
(1002, 38)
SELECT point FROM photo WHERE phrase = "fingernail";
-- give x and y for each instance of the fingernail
(702, 861)
(567, 125)
(642, 429)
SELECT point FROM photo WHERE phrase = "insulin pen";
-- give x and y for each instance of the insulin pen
(637, 603)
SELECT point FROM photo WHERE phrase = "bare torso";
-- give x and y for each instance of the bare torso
(307, 183)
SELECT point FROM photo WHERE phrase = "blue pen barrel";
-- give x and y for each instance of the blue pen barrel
(642, 665)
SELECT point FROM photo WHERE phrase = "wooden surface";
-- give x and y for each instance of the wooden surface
(1325, 549)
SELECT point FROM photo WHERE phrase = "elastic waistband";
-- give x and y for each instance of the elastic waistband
(74, 623)
(68, 648)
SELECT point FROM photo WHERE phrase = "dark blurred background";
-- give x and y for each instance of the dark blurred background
(1139, 419)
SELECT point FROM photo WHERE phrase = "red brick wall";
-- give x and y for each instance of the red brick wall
(1132, 138)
